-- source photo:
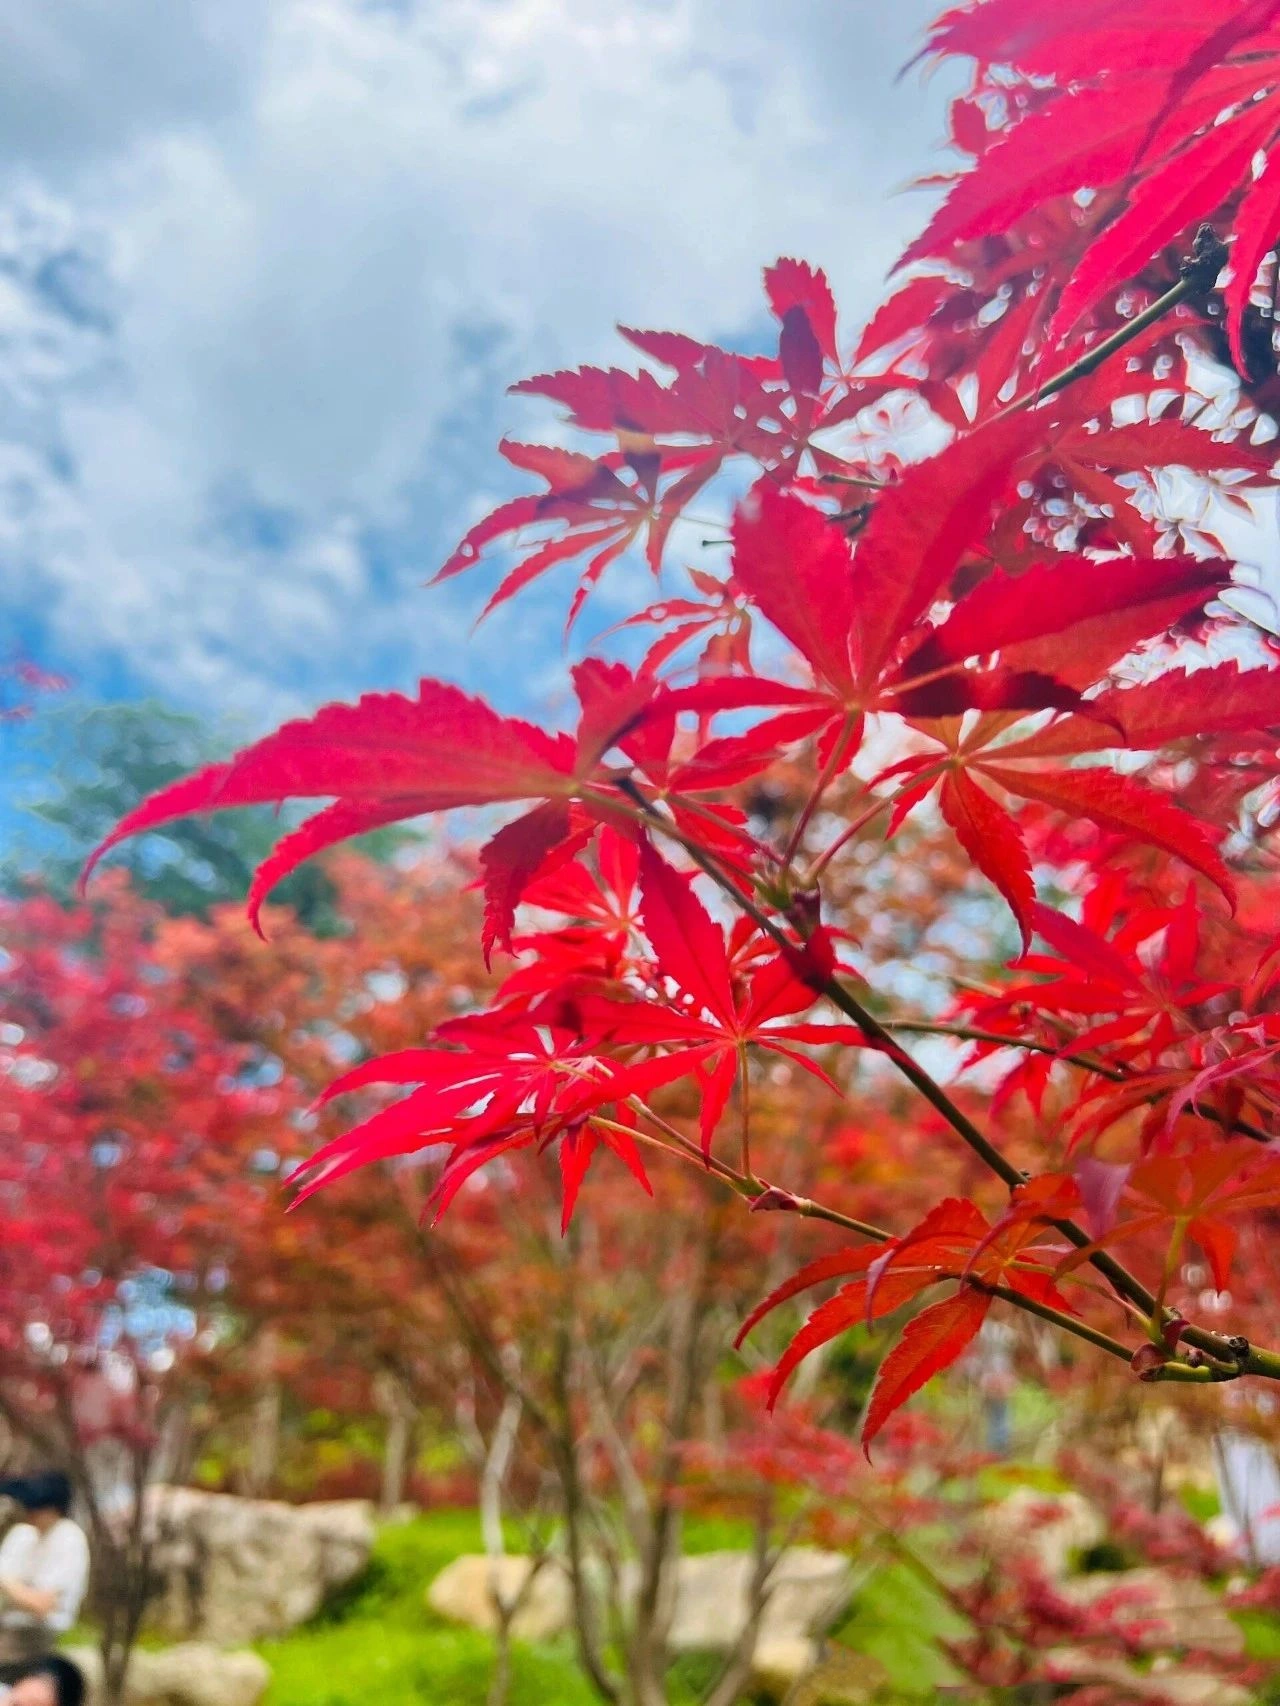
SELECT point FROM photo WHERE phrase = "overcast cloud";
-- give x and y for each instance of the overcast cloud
(266, 267)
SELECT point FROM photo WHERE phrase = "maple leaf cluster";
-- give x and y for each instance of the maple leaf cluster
(1028, 636)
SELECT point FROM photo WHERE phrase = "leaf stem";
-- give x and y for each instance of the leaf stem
(749, 1187)
(976, 1034)
(746, 1185)
(847, 834)
(840, 997)
(1263, 1363)
(835, 758)
(1057, 1318)
(1116, 1074)
(1094, 358)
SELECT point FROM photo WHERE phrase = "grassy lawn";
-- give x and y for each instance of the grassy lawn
(377, 1641)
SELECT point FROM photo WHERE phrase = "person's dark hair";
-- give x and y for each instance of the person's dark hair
(48, 1491)
(67, 1678)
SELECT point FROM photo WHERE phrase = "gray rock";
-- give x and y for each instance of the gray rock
(231, 1570)
(779, 1661)
(463, 1592)
(1049, 1528)
(1165, 1610)
(808, 1591)
(192, 1674)
(1170, 1687)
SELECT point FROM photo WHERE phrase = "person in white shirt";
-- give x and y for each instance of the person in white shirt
(44, 1571)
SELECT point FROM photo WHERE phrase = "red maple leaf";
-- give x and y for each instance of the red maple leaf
(858, 621)
(953, 1242)
(1200, 1194)
(389, 758)
(673, 437)
(714, 1016)
(493, 1083)
(1160, 117)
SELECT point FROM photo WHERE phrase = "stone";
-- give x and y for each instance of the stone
(191, 1674)
(1166, 1610)
(463, 1592)
(230, 1570)
(1165, 1684)
(809, 1589)
(1052, 1529)
(779, 1661)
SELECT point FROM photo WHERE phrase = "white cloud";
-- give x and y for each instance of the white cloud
(301, 238)
(80, 78)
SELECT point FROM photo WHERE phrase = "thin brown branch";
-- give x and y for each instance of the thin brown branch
(1125, 1284)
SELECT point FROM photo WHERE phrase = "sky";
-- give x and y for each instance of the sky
(267, 267)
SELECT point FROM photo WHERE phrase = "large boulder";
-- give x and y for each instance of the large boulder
(1050, 1529)
(1160, 1610)
(808, 1591)
(192, 1674)
(230, 1570)
(464, 1593)
(1163, 1684)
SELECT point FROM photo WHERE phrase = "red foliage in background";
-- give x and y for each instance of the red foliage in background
(130, 1126)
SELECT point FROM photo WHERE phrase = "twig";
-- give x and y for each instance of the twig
(1199, 270)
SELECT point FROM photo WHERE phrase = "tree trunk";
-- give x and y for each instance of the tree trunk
(121, 1546)
(176, 1454)
(264, 1421)
(401, 1413)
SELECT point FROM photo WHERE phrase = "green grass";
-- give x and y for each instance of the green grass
(357, 1663)
(376, 1641)
(406, 1557)
(1261, 1635)
(716, 1534)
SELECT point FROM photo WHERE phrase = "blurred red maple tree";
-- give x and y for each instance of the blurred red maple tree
(128, 1185)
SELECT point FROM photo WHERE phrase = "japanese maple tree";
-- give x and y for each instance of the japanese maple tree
(577, 1374)
(127, 1185)
(1031, 634)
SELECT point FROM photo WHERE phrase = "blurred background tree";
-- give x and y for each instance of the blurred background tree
(91, 764)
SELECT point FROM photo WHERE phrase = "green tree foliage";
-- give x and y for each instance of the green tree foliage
(97, 761)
